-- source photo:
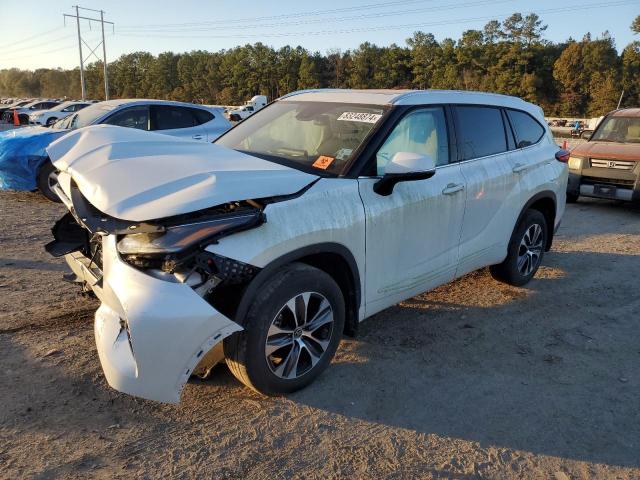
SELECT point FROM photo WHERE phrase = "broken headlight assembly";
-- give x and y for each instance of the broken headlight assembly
(177, 254)
(170, 249)
(180, 237)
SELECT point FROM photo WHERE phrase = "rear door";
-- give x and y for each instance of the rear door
(492, 192)
(176, 121)
(211, 125)
(533, 159)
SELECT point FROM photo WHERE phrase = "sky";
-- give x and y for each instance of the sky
(34, 34)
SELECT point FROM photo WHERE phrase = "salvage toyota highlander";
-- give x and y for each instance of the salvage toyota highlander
(318, 211)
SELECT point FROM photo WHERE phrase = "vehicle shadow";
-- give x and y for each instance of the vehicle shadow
(549, 369)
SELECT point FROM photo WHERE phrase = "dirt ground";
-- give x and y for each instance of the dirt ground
(473, 380)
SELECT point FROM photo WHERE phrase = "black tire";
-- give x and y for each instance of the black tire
(43, 181)
(510, 270)
(572, 197)
(51, 121)
(245, 351)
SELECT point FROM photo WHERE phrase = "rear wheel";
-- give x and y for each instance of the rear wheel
(47, 178)
(51, 121)
(572, 197)
(525, 252)
(291, 331)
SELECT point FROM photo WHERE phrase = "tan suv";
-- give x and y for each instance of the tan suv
(608, 165)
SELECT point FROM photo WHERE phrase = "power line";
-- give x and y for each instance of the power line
(340, 19)
(68, 47)
(378, 28)
(39, 35)
(47, 42)
(285, 16)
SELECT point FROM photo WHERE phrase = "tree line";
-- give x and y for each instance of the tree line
(574, 78)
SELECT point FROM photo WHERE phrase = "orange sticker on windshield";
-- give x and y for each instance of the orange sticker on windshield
(323, 162)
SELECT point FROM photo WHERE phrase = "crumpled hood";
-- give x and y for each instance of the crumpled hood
(609, 150)
(22, 152)
(136, 175)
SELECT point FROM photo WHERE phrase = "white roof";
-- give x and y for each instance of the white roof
(409, 97)
(149, 101)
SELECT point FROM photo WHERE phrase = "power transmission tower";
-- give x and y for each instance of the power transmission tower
(92, 51)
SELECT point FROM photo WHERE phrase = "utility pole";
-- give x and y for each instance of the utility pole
(104, 59)
(91, 50)
(620, 101)
(84, 88)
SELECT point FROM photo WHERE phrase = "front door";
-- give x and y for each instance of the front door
(412, 235)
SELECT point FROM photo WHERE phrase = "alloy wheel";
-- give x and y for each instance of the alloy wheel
(530, 250)
(299, 335)
(52, 179)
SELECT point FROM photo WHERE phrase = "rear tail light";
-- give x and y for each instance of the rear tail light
(562, 155)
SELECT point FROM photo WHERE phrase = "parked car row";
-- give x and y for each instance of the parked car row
(27, 110)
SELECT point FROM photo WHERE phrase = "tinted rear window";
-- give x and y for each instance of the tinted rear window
(202, 116)
(480, 131)
(526, 129)
(169, 117)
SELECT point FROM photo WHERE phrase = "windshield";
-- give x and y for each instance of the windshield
(618, 129)
(86, 116)
(306, 135)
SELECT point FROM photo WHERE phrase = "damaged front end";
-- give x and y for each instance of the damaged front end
(166, 302)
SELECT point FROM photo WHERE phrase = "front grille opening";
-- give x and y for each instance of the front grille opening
(608, 181)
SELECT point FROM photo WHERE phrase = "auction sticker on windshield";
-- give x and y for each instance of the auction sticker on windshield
(360, 117)
(323, 162)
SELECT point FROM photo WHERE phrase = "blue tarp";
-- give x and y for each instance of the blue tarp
(22, 152)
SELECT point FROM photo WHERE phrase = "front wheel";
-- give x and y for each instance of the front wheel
(525, 251)
(572, 197)
(47, 178)
(291, 331)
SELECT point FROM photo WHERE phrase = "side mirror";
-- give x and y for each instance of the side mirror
(405, 167)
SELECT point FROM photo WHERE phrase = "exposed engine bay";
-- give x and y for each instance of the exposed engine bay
(171, 249)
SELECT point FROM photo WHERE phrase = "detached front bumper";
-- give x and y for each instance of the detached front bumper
(150, 333)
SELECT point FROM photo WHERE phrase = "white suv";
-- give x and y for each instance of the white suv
(320, 210)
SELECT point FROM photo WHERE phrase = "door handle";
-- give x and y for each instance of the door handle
(197, 137)
(519, 168)
(453, 188)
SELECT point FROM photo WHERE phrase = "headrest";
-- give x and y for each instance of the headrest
(633, 131)
(420, 127)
